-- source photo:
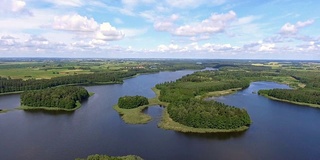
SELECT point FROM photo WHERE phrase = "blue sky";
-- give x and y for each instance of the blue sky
(215, 29)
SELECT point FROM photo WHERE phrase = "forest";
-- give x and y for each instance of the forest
(129, 102)
(208, 114)
(186, 109)
(301, 95)
(13, 85)
(65, 97)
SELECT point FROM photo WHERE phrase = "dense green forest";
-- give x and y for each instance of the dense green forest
(208, 114)
(106, 157)
(190, 111)
(64, 97)
(129, 102)
(301, 95)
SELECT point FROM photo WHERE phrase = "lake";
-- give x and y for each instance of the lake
(279, 130)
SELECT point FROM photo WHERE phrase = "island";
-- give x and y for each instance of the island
(64, 98)
(188, 109)
(130, 108)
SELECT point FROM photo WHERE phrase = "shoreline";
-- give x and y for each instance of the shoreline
(136, 116)
(29, 108)
(292, 102)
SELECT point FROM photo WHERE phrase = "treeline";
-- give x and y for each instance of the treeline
(13, 85)
(129, 102)
(208, 114)
(203, 82)
(60, 97)
(300, 95)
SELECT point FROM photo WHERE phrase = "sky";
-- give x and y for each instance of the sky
(193, 29)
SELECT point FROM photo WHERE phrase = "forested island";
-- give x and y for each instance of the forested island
(130, 108)
(129, 102)
(65, 98)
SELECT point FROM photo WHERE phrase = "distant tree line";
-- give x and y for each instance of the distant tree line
(59, 97)
(129, 102)
(301, 95)
(12, 85)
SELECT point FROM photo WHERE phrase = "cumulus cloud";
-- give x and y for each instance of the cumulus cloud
(108, 33)
(216, 23)
(292, 29)
(75, 22)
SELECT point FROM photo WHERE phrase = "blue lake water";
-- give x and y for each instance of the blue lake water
(279, 130)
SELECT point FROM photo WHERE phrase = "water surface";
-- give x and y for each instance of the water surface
(279, 130)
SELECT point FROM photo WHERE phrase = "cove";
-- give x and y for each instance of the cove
(279, 130)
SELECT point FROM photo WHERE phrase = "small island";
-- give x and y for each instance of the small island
(130, 108)
(64, 98)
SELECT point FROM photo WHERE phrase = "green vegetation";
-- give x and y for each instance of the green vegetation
(301, 96)
(136, 115)
(208, 114)
(34, 74)
(133, 116)
(187, 109)
(106, 157)
(168, 124)
(59, 98)
(129, 102)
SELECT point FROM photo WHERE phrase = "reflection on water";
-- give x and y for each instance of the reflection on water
(217, 136)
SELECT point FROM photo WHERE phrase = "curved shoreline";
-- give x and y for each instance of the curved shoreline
(292, 102)
(136, 116)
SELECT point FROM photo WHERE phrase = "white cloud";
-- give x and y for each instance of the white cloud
(79, 23)
(171, 47)
(75, 22)
(266, 47)
(108, 33)
(14, 7)
(214, 24)
(292, 29)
